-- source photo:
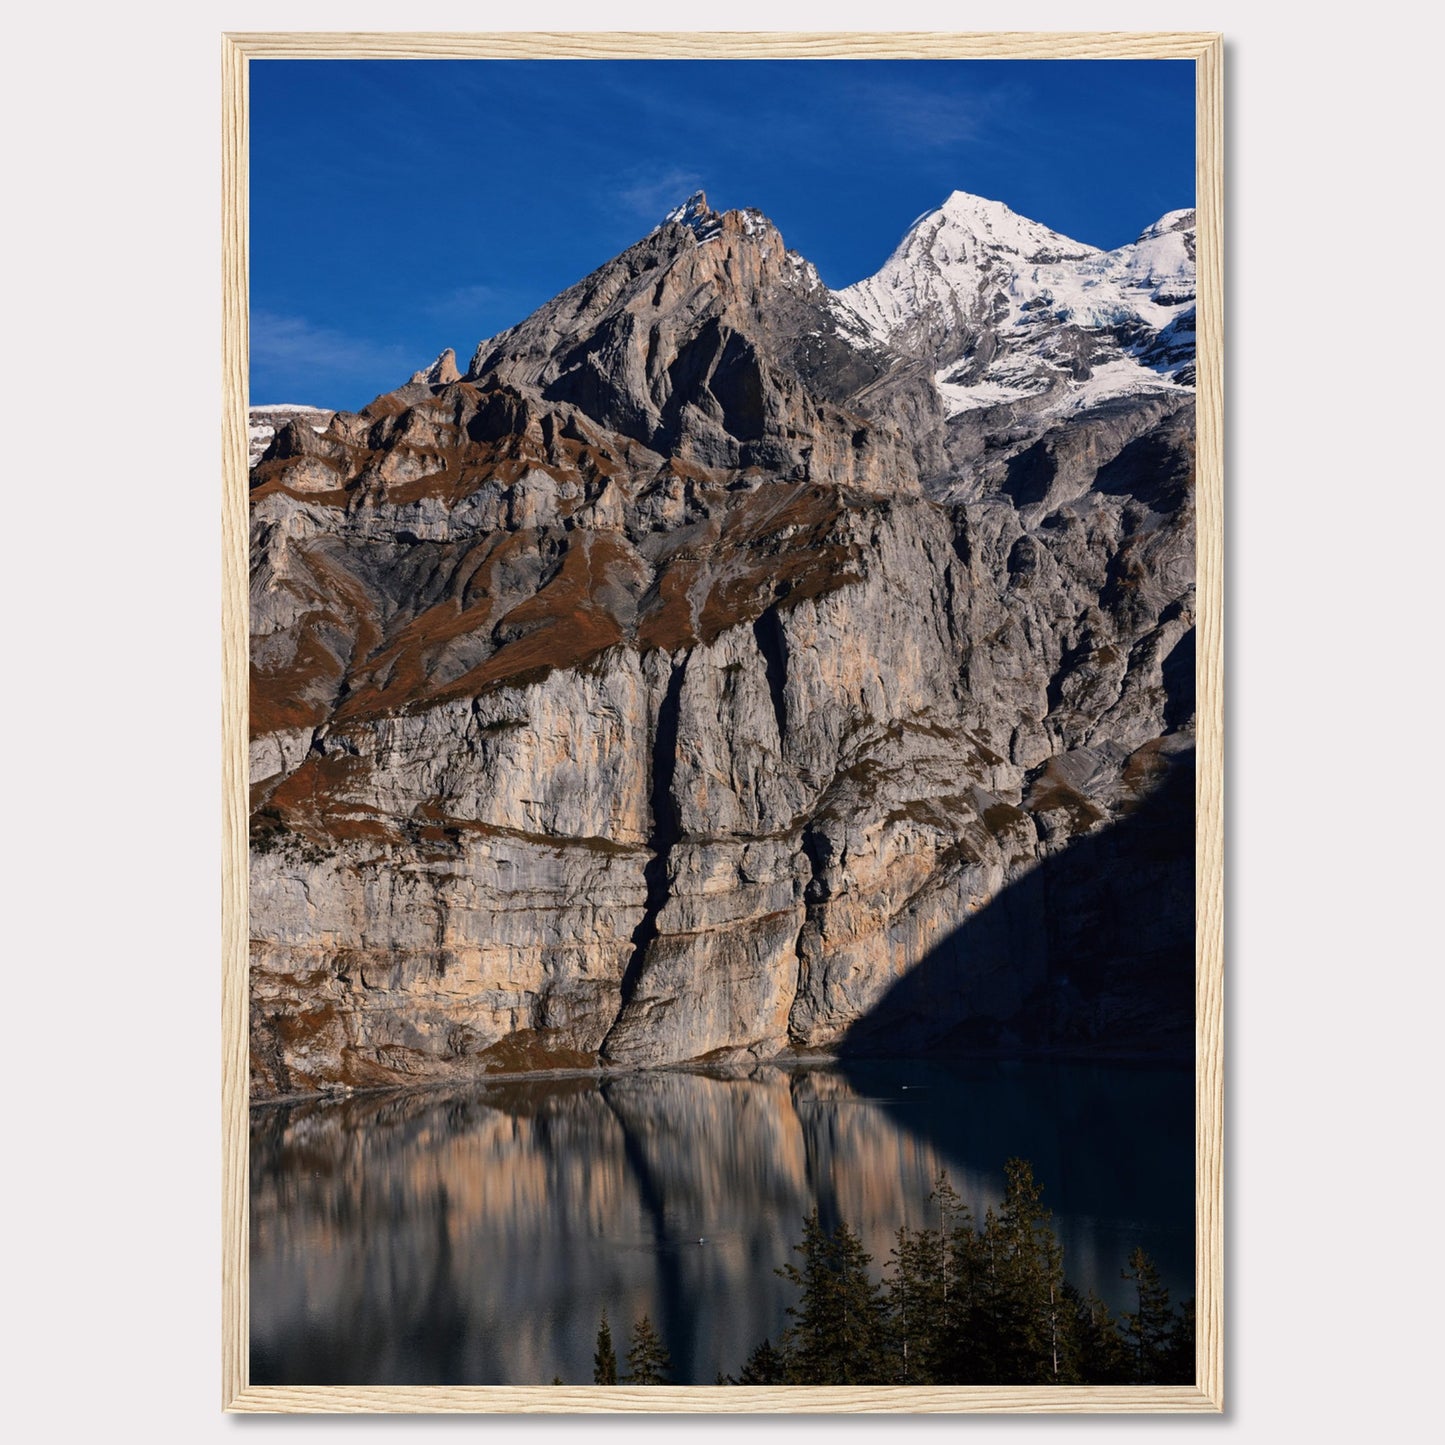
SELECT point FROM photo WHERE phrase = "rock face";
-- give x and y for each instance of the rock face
(266, 421)
(696, 678)
(440, 373)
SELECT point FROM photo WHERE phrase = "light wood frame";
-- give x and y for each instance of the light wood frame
(1207, 52)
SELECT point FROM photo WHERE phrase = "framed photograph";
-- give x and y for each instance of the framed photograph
(723, 615)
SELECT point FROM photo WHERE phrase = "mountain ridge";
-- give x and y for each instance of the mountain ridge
(680, 676)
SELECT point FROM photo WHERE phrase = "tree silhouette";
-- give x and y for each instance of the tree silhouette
(765, 1366)
(1149, 1329)
(1100, 1357)
(930, 1291)
(968, 1305)
(604, 1362)
(1179, 1368)
(648, 1362)
(838, 1334)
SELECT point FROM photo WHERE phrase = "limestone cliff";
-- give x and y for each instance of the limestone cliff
(695, 678)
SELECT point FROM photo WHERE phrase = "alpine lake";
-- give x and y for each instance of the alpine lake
(476, 1236)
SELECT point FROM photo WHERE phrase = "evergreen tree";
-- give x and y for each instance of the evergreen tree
(1149, 1330)
(1018, 1330)
(765, 1366)
(1100, 1356)
(838, 1334)
(648, 1362)
(955, 1256)
(604, 1362)
(1179, 1368)
(966, 1305)
(911, 1288)
(978, 1345)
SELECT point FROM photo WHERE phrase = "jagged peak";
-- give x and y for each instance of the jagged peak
(706, 224)
(440, 373)
(695, 214)
(695, 205)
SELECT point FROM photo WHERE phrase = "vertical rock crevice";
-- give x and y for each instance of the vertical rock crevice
(818, 849)
(666, 829)
(773, 644)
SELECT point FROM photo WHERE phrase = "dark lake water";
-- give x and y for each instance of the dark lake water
(475, 1237)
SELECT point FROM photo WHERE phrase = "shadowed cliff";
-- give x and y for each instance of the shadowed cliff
(1106, 928)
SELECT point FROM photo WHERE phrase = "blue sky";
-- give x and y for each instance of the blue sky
(399, 207)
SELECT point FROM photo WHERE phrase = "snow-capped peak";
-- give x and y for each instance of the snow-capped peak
(695, 205)
(695, 214)
(1169, 222)
(951, 263)
(998, 226)
(1005, 309)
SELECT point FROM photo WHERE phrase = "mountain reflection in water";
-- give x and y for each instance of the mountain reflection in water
(475, 1237)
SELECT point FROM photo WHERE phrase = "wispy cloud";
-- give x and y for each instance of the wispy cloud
(465, 298)
(295, 348)
(295, 345)
(929, 119)
(649, 196)
(478, 297)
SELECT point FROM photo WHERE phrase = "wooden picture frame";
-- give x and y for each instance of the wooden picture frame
(1206, 51)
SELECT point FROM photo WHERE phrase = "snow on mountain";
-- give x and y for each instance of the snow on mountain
(696, 215)
(263, 422)
(950, 259)
(982, 319)
(1007, 310)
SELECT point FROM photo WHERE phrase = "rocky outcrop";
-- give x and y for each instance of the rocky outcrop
(265, 421)
(666, 688)
(441, 372)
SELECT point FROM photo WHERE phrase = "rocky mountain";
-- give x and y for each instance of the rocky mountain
(725, 666)
(265, 421)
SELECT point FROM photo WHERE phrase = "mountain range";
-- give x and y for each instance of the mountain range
(722, 666)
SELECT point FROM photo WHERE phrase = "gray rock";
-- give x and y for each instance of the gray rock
(684, 683)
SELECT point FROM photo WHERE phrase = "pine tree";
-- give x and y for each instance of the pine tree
(979, 1341)
(1100, 1356)
(966, 1305)
(1148, 1330)
(1179, 1367)
(648, 1362)
(929, 1290)
(807, 1343)
(838, 1334)
(955, 1259)
(604, 1362)
(910, 1286)
(765, 1366)
(1019, 1328)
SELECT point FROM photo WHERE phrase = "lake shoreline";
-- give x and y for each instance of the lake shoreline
(739, 1069)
